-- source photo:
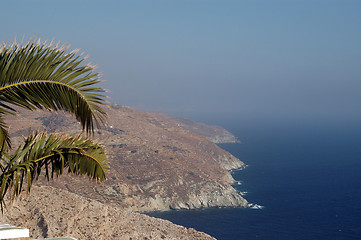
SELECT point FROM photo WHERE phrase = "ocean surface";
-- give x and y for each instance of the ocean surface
(306, 175)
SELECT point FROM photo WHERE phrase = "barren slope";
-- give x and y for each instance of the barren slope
(52, 212)
(213, 133)
(155, 163)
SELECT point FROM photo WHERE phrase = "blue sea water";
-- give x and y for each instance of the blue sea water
(306, 175)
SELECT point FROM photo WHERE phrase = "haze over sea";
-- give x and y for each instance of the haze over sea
(306, 174)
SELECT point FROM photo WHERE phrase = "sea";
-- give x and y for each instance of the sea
(305, 174)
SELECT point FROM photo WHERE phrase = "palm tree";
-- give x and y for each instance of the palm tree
(37, 75)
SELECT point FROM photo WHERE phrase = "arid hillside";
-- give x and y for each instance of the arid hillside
(52, 212)
(213, 133)
(156, 163)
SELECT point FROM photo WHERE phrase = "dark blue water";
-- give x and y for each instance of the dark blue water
(307, 177)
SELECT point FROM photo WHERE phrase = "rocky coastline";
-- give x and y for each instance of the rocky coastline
(156, 163)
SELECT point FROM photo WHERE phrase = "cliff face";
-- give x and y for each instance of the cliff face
(156, 163)
(52, 212)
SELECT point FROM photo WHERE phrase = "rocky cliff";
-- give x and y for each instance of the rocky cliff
(156, 163)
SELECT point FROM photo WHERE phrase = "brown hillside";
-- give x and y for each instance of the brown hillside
(155, 163)
(52, 212)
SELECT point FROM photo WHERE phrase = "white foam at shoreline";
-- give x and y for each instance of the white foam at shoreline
(255, 206)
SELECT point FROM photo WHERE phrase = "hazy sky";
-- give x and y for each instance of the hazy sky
(285, 58)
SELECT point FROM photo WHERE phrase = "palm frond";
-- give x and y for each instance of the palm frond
(51, 155)
(5, 141)
(37, 75)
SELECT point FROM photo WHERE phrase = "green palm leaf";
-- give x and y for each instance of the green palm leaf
(4, 135)
(51, 155)
(40, 76)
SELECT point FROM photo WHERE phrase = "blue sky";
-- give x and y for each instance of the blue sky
(294, 58)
